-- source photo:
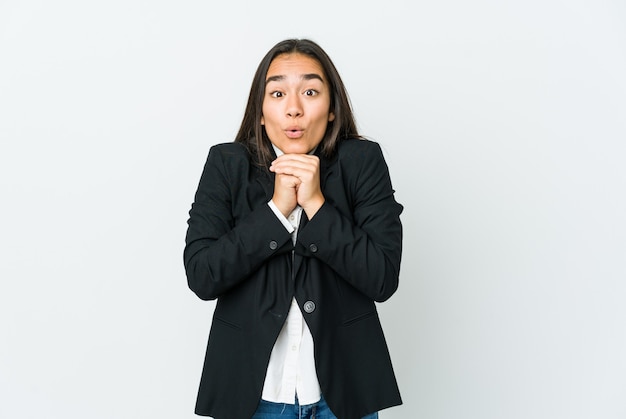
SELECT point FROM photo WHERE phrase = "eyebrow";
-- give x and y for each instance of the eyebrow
(308, 76)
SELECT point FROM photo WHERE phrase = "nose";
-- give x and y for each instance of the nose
(294, 106)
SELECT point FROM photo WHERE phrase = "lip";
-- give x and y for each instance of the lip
(294, 132)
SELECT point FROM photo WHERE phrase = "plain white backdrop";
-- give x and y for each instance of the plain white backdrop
(504, 126)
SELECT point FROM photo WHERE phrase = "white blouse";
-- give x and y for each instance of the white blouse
(291, 370)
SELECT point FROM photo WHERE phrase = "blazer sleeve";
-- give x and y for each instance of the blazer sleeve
(222, 250)
(364, 249)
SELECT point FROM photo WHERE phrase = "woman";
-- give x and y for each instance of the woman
(296, 232)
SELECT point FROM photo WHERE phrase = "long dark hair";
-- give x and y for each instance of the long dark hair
(252, 134)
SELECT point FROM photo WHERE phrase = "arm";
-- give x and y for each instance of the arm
(365, 250)
(221, 252)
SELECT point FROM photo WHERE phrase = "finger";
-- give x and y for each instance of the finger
(303, 174)
(286, 181)
(300, 160)
(294, 165)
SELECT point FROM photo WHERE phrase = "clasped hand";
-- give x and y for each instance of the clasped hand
(297, 183)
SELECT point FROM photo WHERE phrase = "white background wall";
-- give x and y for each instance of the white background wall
(504, 126)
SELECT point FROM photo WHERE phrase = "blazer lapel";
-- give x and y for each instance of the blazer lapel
(327, 167)
(266, 180)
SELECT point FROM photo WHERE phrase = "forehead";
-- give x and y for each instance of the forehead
(294, 64)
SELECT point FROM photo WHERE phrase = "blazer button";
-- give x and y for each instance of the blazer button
(313, 247)
(309, 307)
(273, 245)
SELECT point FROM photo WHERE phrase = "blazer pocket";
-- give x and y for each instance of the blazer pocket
(360, 317)
(227, 323)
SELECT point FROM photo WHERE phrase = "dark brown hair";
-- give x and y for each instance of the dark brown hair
(252, 134)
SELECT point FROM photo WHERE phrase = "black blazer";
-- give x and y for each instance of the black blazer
(345, 258)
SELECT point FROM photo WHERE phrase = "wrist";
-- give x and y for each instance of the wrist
(280, 206)
(312, 207)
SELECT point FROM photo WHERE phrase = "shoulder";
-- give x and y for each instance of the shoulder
(358, 150)
(229, 154)
(228, 160)
(229, 149)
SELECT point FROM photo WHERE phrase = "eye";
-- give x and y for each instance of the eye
(276, 94)
(311, 92)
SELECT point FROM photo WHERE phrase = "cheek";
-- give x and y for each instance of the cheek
(268, 115)
(269, 123)
(265, 114)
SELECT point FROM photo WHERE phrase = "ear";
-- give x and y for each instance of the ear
(331, 117)
(262, 120)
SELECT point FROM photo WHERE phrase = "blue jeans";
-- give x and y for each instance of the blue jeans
(319, 410)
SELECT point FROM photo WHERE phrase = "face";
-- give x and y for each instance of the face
(296, 105)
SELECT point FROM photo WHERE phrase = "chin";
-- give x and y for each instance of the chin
(297, 149)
